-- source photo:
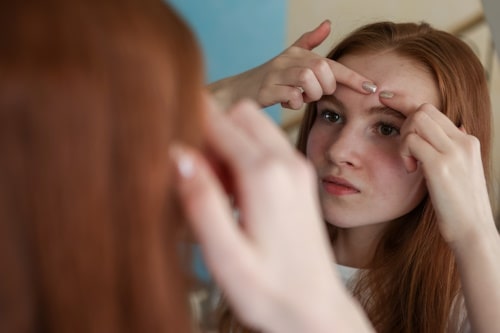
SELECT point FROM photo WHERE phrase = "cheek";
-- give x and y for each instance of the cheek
(315, 145)
(396, 184)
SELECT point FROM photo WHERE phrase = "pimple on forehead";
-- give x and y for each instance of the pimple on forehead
(397, 73)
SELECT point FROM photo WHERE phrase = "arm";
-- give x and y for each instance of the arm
(452, 166)
(478, 257)
(278, 80)
(279, 252)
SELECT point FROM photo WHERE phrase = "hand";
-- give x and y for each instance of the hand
(294, 77)
(452, 166)
(275, 265)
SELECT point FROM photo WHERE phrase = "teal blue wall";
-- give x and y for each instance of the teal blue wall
(236, 35)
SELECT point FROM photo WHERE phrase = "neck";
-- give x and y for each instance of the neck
(354, 247)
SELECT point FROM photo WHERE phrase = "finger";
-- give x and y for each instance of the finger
(314, 77)
(288, 86)
(289, 96)
(452, 130)
(409, 105)
(314, 38)
(295, 100)
(244, 149)
(306, 79)
(413, 151)
(352, 79)
(260, 128)
(400, 102)
(421, 123)
(209, 215)
(228, 142)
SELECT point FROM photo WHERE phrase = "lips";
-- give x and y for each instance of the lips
(338, 186)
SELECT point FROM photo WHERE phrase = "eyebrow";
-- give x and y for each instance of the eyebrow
(388, 111)
(382, 109)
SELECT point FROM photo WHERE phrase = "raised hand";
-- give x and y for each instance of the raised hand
(451, 162)
(274, 262)
(294, 77)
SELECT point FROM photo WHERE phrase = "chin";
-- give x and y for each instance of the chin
(347, 221)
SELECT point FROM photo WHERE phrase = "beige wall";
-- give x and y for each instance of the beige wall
(349, 14)
(346, 15)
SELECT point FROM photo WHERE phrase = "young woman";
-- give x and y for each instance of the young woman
(93, 97)
(403, 173)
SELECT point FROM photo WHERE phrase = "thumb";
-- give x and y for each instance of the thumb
(312, 39)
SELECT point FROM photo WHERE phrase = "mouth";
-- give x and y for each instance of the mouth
(338, 186)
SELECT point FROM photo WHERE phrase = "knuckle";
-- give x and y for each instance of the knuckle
(293, 50)
(295, 98)
(419, 116)
(305, 75)
(472, 145)
(441, 168)
(319, 65)
(425, 107)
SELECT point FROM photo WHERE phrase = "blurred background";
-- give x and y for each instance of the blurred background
(237, 35)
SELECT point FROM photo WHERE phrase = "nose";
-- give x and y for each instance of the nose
(345, 148)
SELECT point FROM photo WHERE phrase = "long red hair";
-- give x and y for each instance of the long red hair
(412, 281)
(91, 95)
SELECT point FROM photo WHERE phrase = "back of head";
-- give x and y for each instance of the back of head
(91, 95)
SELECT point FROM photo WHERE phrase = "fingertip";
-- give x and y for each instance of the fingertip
(183, 160)
(410, 163)
(385, 94)
(369, 87)
(390, 99)
(327, 23)
(311, 39)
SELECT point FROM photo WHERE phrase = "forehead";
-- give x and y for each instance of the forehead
(393, 72)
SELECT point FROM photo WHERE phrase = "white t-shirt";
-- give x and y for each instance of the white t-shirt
(458, 316)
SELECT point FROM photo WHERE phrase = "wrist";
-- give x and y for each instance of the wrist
(476, 243)
(334, 311)
(223, 92)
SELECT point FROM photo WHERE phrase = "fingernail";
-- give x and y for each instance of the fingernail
(184, 161)
(369, 87)
(386, 94)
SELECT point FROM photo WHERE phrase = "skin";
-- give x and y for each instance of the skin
(429, 154)
(356, 140)
(279, 79)
(263, 255)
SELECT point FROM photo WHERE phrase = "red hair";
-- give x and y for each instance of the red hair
(91, 95)
(412, 281)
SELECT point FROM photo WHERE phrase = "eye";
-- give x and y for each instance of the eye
(330, 116)
(386, 129)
